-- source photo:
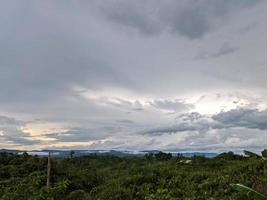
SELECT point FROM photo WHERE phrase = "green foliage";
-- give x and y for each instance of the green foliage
(249, 192)
(264, 153)
(163, 156)
(251, 154)
(77, 194)
(152, 177)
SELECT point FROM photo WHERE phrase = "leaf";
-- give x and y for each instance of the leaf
(249, 192)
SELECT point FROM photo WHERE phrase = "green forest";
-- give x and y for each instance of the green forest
(158, 176)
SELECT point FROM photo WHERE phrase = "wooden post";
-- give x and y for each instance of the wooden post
(48, 170)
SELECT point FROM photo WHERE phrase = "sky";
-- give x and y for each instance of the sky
(187, 75)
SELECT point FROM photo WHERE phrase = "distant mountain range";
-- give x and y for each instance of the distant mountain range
(120, 153)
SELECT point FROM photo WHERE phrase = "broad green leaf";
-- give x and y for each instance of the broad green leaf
(249, 192)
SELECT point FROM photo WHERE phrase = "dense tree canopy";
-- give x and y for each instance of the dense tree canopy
(153, 177)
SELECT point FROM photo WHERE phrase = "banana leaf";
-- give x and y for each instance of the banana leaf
(249, 192)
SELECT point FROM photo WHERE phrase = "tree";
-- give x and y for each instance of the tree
(163, 156)
(264, 153)
(251, 154)
(72, 153)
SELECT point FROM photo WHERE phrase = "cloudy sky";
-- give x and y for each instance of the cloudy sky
(187, 75)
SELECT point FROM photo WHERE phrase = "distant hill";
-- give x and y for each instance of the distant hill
(119, 153)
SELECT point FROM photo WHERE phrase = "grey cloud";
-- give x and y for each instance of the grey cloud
(249, 118)
(44, 58)
(168, 130)
(197, 18)
(81, 134)
(125, 121)
(172, 105)
(138, 109)
(120, 103)
(48, 51)
(222, 140)
(11, 131)
(131, 14)
(192, 19)
(224, 50)
(189, 117)
(185, 122)
(50, 48)
(247, 28)
(219, 140)
(236, 118)
(4, 120)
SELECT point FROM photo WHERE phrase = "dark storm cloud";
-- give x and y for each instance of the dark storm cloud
(190, 18)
